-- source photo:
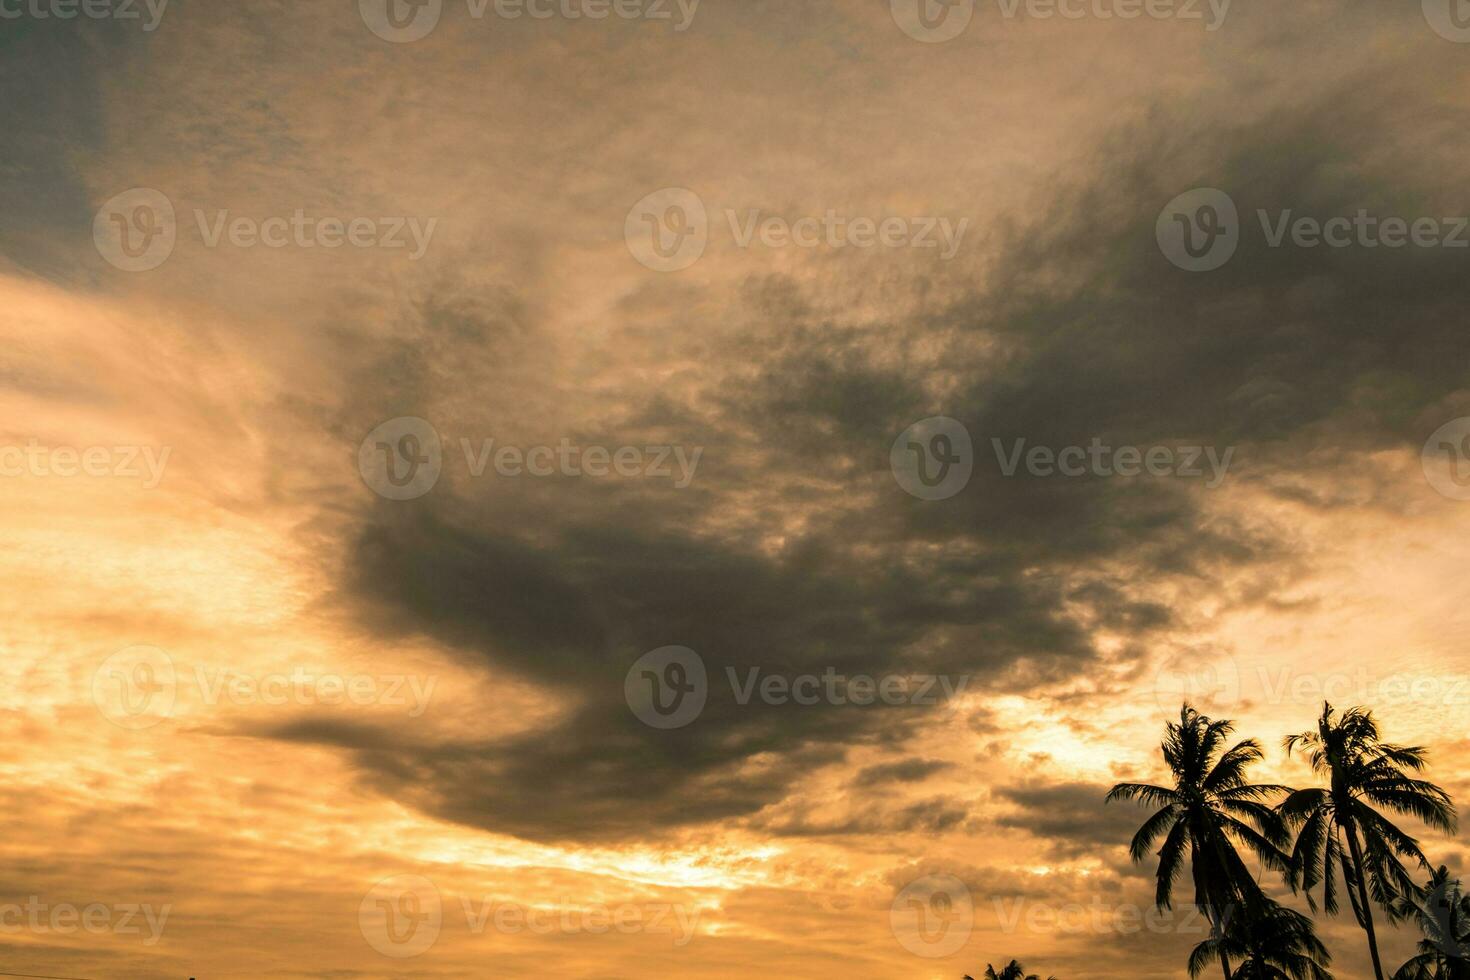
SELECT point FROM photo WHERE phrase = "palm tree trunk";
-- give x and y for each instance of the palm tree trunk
(1219, 929)
(1357, 852)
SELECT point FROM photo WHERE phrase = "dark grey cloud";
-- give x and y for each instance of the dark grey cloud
(1082, 329)
(1070, 817)
(903, 771)
(52, 72)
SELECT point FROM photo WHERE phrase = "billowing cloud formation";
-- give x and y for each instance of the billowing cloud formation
(1037, 626)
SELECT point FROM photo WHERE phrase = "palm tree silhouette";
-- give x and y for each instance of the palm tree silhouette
(1363, 771)
(1208, 812)
(1271, 942)
(1012, 971)
(1441, 909)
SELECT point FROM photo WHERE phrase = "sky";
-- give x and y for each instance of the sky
(652, 489)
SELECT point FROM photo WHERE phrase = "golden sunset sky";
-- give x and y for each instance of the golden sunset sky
(303, 729)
